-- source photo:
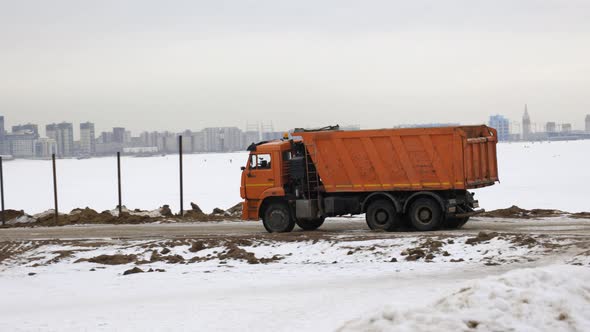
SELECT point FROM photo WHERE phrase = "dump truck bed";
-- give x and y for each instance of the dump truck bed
(442, 158)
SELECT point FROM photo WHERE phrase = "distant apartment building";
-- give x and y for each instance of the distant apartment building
(566, 128)
(2, 130)
(119, 135)
(87, 139)
(63, 134)
(272, 135)
(187, 141)
(550, 127)
(502, 126)
(251, 136)
(199, 141)
(588, 123)
(223, 139)
(105, 137)
(21, 144)
(27, 128)
(3, 145)
(45, 147)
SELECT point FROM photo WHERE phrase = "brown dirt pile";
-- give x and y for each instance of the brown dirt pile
(481, 237)
(427, 250)
(90, 216)
(12, 214)
(519, 213)
(133, 271)
(116, 259)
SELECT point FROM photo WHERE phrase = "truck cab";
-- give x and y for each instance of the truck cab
(265, 175)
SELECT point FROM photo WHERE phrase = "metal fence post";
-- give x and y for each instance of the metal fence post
(181, 175)
(120, 206)
(2, 190)
(55, 187)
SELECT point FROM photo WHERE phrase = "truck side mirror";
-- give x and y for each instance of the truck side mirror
(243, 168)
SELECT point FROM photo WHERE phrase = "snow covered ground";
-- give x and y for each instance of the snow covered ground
(533, 175)
(317, 282)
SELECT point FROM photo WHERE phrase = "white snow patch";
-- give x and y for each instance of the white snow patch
(553, 298)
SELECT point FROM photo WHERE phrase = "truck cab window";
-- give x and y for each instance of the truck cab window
(260, 161)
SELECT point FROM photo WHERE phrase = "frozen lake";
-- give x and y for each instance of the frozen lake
(532, 175)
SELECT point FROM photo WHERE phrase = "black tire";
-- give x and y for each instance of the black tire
(310, 225)
(425, 214)
(456, 223)
(277, 218)
(381, 216)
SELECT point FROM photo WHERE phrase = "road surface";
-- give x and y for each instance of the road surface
(332, 227)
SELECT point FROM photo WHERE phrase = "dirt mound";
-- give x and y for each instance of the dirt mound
(133, 271)
(481, 237)
(196, 209)
(580, 215)
(12, 214)
(236, 210)
(165, 211)
(519, 213)
(116, 259)
(237, 253)
(426, 250)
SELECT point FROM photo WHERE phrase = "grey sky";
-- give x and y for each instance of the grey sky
(174, 65)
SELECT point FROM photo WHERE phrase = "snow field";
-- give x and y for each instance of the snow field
(533, 175)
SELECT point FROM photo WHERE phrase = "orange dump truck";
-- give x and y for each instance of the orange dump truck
(416, 177)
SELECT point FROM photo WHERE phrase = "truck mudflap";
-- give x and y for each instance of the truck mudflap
(469, 214)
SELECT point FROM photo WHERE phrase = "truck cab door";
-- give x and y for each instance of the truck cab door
(259, 175)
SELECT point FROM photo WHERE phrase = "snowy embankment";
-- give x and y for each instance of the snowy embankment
(552, 298)
(533, 175)
(312, 281)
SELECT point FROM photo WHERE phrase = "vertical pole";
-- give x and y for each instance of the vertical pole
(2, 190)
(54, 187)
(181, 180)
(120, 206)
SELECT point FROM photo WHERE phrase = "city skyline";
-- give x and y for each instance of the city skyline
(269, 126)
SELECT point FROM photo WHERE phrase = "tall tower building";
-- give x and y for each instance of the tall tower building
(526, 124)
(65, 139)
(63, 134)
(119, 135)
(588, 123)
(502, 125)
(2, 126)
(87, 139)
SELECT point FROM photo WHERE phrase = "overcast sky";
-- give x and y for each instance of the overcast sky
(175, 65)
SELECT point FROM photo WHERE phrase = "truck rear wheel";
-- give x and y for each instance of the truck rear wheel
(310, 225)
(425, 214)
(456, 223)
(381, 216)
(278, 219)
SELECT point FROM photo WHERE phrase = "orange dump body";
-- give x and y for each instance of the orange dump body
(442, 158)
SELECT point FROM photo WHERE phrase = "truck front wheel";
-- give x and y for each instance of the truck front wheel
(277, 218)
(310, 225)
(381, 216)
(425, 214)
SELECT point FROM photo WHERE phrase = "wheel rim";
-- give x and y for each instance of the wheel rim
(278, 220)
(381, 217)
(424, 215)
